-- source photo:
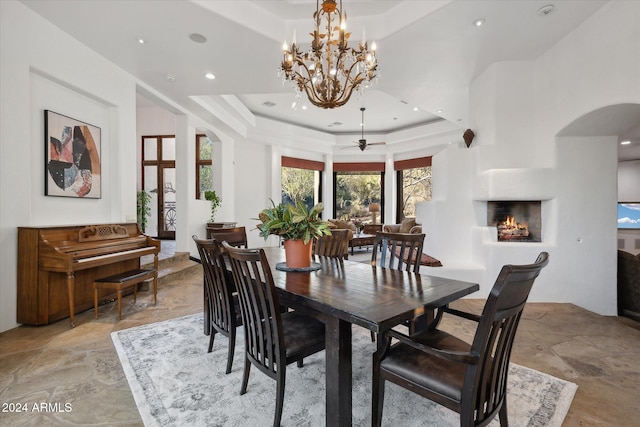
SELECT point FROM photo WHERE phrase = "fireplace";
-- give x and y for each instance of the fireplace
(516, 221)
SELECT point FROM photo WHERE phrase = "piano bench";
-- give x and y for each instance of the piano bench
(122, 281)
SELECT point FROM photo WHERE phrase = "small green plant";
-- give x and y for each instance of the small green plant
(293, 222)
(215, 202)
(143, 210)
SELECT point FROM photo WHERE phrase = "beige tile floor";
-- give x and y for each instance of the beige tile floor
(79, 366)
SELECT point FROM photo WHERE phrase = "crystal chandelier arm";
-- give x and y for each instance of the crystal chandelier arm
(306, 83)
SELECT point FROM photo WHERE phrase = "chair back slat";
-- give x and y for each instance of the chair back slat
(398, 251)
(487, 381)
(259, 305)
(334, 245)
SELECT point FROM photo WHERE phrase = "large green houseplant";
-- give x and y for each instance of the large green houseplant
(297, 225)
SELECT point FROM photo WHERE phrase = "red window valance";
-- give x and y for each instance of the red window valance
(420, 162)
(292, 162)
(359, 167)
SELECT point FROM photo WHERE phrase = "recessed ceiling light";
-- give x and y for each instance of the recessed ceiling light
(210, 76)
(439, 111)
(625, 143)
(478, 22)
(415, 108)
(141, 41)
(198, 38)
(304, 107)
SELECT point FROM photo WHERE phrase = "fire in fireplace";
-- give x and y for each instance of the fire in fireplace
(516, 221)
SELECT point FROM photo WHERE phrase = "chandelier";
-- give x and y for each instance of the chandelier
(330, 71)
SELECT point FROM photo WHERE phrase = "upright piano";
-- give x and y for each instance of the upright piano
(58, 265)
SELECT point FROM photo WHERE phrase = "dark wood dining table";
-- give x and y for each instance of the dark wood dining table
(354, 293)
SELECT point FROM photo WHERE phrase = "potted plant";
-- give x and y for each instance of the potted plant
(142, 208)
(297, 225)
(215, 202)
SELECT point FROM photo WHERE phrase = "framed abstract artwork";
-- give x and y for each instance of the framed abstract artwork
(72, 157)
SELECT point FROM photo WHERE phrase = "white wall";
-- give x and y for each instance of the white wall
(629, 181)
(253, 173)
(48, 69)
(517, 111)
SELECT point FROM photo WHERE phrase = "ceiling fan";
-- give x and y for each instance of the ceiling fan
(362, 143)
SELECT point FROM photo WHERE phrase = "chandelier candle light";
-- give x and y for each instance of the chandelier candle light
(330, 71)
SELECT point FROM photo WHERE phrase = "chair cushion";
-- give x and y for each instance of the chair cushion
(301, 332)
(407, 224)
(430, 372)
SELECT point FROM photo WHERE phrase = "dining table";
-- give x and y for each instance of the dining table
(345, 293)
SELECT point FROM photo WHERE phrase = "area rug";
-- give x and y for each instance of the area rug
(175, 382)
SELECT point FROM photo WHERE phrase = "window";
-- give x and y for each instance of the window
(159, 179)
(204, 166)
(301, 179)
(414, 185)
(359, 192)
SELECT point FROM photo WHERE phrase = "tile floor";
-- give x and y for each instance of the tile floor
(79, 367)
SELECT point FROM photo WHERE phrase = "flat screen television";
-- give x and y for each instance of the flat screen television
(629, 215)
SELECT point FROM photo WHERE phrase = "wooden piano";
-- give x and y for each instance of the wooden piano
(57, 266)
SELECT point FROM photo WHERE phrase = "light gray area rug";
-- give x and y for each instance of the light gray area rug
(175, 382)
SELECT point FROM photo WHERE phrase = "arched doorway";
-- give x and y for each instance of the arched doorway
(621, 121)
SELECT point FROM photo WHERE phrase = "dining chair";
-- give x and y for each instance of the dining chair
(235, 236)
(272, 339)
(399, 251)
(470, 379)
(221, 299)
(335, 245)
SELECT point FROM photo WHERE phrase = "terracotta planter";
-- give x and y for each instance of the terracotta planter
(297, 253)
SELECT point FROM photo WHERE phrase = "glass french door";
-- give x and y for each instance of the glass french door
(159, 180)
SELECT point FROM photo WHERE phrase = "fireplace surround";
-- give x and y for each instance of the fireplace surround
(516, 221)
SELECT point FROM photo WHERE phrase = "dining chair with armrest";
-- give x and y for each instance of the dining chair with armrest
(221, 300)
(470, 379)
(272, 339)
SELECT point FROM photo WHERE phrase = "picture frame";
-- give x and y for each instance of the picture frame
(72, 157)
